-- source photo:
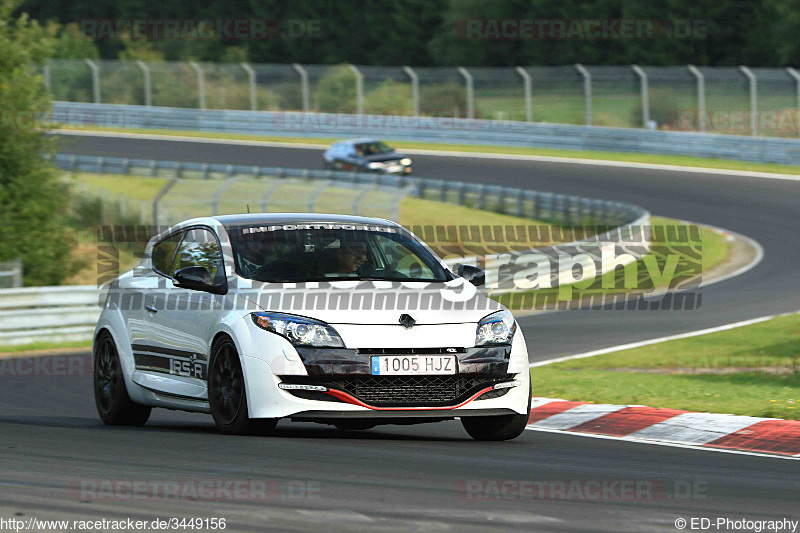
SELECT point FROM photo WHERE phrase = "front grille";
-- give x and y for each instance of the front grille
(410, 351)
(405, 391)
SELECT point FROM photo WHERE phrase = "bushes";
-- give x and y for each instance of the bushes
(389, 98)
(32, 200)
(335, 92)
(664, 109)
(444, 100)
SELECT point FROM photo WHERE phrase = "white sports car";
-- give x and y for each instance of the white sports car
(340, 320)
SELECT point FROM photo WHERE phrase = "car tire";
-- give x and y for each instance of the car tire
(503, 427)
(114, 405)
(227, 396)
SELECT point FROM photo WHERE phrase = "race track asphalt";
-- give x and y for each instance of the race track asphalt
(422, 477)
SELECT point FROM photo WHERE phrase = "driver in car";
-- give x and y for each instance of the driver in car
(350, 257)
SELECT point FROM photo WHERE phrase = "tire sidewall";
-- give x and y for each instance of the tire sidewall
(240, 424)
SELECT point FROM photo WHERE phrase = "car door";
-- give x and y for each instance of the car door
(347, 158)
(182, 322)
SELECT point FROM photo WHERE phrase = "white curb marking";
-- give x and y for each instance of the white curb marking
(577, 416)
(696, 428)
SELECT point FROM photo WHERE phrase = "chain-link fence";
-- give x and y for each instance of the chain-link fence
(735, 100)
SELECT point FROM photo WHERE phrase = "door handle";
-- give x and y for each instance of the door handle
(151, 308)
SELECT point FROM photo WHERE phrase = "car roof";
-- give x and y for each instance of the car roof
(361, 140)
(298, 218)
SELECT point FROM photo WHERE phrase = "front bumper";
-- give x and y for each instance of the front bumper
(361, 395)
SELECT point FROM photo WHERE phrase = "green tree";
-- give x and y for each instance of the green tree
(32, 201)
(71, 43)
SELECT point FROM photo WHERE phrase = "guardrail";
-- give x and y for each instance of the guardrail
(11, 274)
(430, 129)
(564, 209)
(69, 313)
(50, 314)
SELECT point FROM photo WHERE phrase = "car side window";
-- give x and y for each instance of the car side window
(163, 253)
(199, 248)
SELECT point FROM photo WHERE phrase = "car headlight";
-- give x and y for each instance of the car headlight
(497, 328)
(375, 165)
(405, 161)
(299, 330)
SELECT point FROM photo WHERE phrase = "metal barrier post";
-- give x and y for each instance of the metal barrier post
(251, 83)
(526, 83)
(95, 79)
(645, 93)
(159, 195)
(396, 207)
(753, 99)
(312, 198)
(414, 89)
(470, 91)
(304, 86)
(587, 93)
(148, 86)
(359, 89)
(701, 96)
(793, 73)
(215, 198)
(17, 278)
(201, 84)
(359, 197)
(268, 194)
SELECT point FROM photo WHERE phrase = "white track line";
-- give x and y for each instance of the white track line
(656, 443)
(443, 153)
(739, 271)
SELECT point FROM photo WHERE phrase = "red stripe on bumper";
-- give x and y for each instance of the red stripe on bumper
(355, 401)
(772, 436)
(550, 409)
(627, 421)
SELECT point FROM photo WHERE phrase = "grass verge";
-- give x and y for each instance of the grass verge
(678, 160)
(36, 347)
(192, 199)
(752, 370)
(672, 263)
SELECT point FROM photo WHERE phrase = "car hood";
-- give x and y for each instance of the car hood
(374, 303)
(392, 156)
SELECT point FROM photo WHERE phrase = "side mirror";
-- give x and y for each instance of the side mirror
(197, 278)
(473, 274)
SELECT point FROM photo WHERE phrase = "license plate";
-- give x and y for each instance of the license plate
(403, 365)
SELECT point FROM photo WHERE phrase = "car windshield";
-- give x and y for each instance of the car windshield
(318, 252)
(373, 148)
